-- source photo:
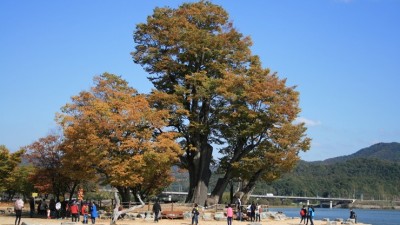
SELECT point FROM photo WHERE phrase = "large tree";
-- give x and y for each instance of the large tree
(113, 131)
(193, 54)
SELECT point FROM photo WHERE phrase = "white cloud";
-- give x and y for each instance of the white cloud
(307, 122)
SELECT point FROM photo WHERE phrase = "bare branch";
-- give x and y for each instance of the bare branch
(117, 213)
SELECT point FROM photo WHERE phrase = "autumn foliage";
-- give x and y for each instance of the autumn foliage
(112, 131)
(219, 95)
(211, 94)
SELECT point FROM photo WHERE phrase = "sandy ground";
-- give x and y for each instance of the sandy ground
(9, 220)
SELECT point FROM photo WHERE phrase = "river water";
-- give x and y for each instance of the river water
(367, 216)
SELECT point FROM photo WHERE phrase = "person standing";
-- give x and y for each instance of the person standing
(311, 214)
(52, 208)
(253, 212)
(19, 204)
(248, 212)
(239, 208)
(58, 210)
(31, 207)
(303, 214)
(64, 206)
(85, 212)
(43, 207)
(229, 214)
(156, 210)
(258, 212)
(93, 213)
(74, 211)
(195, 214)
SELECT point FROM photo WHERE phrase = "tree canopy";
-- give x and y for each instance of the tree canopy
(8, 164)
(113, 131)
(217, 91)
(51, 175)
(211, 93)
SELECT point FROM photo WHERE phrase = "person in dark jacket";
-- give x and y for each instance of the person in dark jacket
(195, 214)
(156, 210)
(353, 215)
(303, 214)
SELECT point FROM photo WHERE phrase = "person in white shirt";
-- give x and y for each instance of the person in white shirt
(19, 204)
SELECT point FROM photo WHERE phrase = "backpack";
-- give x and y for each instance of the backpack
(310, 211)
(302, 212)
(195, 211)
(19, 204)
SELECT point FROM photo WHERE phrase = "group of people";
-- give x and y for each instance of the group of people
(307, 214)
(83, 209)
(58, 210)
(253, 211)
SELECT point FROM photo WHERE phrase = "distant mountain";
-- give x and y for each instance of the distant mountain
(382, 151)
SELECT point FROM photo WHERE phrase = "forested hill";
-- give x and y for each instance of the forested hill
(382, 151)
(371, 173)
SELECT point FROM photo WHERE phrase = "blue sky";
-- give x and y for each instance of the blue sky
(343, 56)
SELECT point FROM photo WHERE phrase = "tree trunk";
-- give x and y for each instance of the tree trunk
(231, 192)
(221, 185)
(125, 194)
(199, 172)
(71, 192)
(249, 187)
(240, 151)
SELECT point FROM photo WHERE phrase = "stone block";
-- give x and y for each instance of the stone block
(207, 216)
(68, 223)
(219, 216)
(187, 215)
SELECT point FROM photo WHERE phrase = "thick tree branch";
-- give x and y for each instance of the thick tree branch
(117, 212)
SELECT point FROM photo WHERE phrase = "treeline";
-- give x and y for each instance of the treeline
(368, 179)
(360, 178)
(370, 174)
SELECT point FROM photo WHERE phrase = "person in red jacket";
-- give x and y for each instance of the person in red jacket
(74, 211)
(84, 212)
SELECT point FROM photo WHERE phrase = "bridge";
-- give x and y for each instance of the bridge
(296, 198)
